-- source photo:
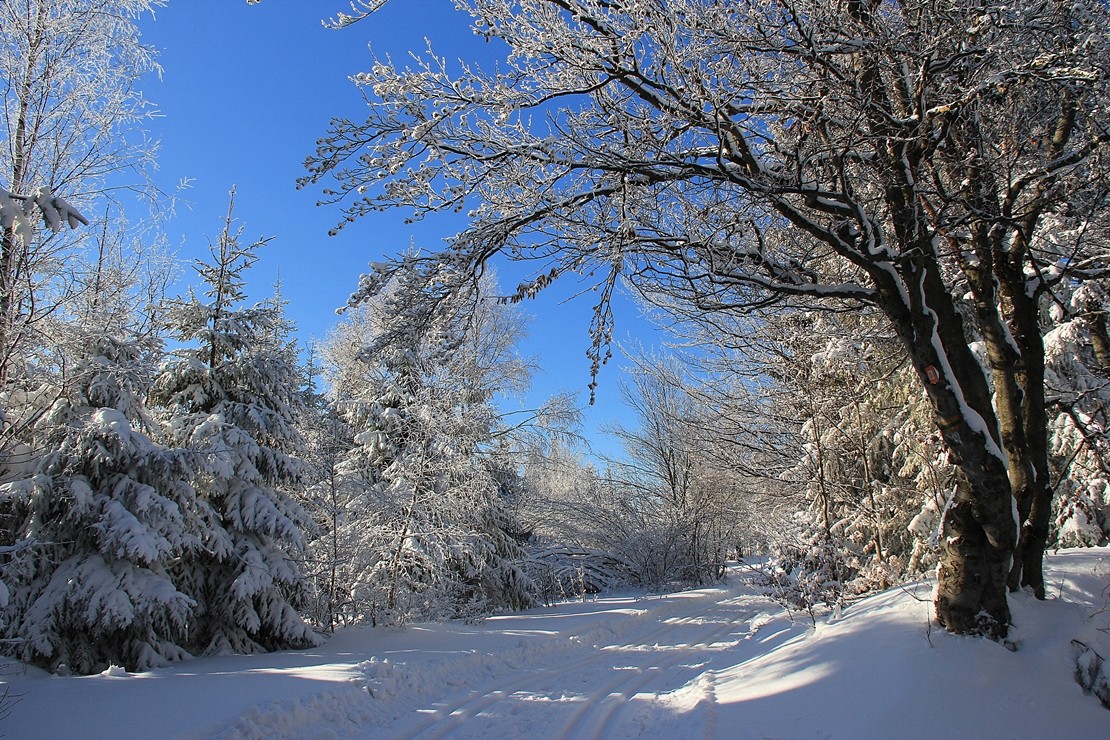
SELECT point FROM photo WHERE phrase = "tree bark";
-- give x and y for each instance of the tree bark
(980, 532)
(971, 579)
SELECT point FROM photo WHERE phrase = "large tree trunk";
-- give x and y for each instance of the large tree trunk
(980, 531)
(971, 579)
(1034, 499)
(979, 537)
(1016, 359)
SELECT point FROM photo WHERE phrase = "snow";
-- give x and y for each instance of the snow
(715, 662)
(970, 416)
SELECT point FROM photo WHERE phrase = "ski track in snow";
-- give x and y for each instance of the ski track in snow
(718, 662)
(604, 681)
(640, 667)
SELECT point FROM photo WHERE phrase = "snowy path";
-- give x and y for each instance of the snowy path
(610, 689)
(610, 667)
(721, 662)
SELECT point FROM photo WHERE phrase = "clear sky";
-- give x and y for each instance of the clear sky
(247, 89)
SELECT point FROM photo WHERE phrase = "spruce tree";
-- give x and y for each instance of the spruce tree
(98, 523)
(230, 395)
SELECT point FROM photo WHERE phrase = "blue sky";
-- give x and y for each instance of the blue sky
(247, 89)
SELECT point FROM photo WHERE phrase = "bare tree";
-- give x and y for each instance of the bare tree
(668, 475)
(748, 154)
(71, 117)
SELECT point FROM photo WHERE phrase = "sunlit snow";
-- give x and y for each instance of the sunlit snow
(721, 662)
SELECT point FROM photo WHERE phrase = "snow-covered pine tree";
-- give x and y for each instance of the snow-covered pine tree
(93, 511)
(429, 533)
(230, 395)
(97, 526)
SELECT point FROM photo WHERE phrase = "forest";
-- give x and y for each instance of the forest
(874, 233)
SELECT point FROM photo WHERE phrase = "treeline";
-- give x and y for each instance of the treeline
(174, 484)
(888, 312)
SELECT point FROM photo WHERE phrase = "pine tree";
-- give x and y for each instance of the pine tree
(230, 395)
(427, 528)
(97, 528)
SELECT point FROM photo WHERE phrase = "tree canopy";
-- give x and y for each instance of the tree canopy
(914, 156)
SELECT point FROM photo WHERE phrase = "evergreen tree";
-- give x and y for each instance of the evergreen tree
(230, 395)
(94, 512)
(428, 531)
(98, 526)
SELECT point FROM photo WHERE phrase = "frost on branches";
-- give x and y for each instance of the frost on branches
(230, 396)
(71, 121)
(424, 528)
(1077, 380)
(742, 156)
(868, 463)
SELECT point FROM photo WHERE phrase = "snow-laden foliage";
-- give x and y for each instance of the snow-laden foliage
(229, 394)
(70, 120)
(325, 497)
(18, 213)
(1078, 385)
(97, 528)
(71, 68)
(422, 527)
(869, 462)
(748, 156)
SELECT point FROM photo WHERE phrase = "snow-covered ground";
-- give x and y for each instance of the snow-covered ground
(717, 662)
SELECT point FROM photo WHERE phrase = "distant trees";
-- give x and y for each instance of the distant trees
(826, 419)
(669, 510)
(682, 513)
(739, 156)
